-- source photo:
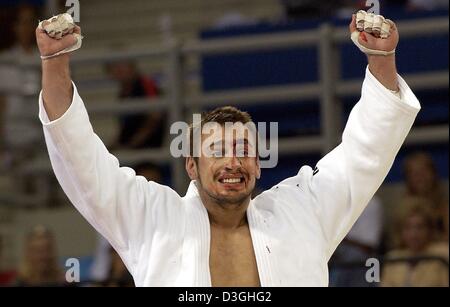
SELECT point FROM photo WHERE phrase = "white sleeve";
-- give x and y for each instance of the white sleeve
(346, 179)
(123, 207)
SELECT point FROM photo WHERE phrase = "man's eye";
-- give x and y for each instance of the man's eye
(242, 153)
(217, 154)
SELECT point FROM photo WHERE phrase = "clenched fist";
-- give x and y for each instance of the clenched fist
(373, 44)
(58, 35)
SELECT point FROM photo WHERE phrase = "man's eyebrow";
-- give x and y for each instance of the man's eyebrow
(239, 141)
(243, 142)
(214, 144)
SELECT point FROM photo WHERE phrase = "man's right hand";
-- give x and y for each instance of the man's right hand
(49, 46)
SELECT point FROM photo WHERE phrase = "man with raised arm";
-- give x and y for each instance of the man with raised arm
(216, 235)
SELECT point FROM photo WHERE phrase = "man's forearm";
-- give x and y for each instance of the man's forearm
(385, 70)
(56, 86)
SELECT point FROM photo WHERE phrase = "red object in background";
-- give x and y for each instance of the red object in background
(7, 277)
(149, 86)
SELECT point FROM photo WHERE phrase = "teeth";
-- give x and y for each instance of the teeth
(232, 180)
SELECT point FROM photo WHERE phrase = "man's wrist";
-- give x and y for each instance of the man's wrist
(60, 60)
(56, 71)
(385, 70)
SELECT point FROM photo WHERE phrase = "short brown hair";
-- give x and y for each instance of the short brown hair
(220, 115)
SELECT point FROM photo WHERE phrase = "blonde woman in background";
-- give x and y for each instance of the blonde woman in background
(40, 263)
(416, 239)
(422, 180)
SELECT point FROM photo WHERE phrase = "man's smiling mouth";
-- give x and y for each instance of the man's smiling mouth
(232, 179)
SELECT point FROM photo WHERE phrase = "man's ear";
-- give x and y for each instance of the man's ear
(258, 168)
(191, 168)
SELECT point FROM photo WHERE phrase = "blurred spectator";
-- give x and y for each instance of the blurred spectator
(415, 227)
(422, 180)
(137, 130)
(17, 84)
(108, 268)
(40, 263)
(427, 5)
(361, 243)
(118, 273)
(102, 260)
(150, 171)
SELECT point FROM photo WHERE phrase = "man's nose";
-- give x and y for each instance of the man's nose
(233, 162)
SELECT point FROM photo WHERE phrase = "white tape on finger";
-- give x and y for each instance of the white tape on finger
(74, 47)
(375, 25)
(59, 26)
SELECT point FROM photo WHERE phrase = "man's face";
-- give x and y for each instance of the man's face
(228, 166)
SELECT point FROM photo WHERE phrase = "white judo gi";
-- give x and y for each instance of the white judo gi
(164, 238)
